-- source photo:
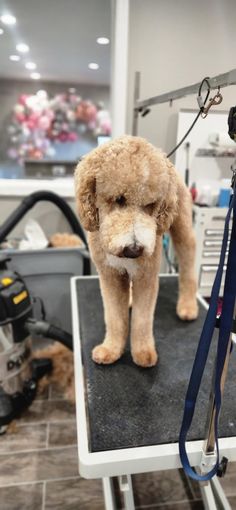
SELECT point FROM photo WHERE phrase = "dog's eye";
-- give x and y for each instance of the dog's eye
(150, 207)
(121, 200)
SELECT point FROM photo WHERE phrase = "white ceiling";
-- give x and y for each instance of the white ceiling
(61, 35)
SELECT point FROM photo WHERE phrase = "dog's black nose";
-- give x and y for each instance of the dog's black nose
(133, 251)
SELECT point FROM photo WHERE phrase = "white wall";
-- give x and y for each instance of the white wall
(175, 43)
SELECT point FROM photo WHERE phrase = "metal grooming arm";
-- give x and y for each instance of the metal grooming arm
(140, 106)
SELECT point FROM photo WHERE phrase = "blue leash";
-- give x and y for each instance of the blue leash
(205, 342)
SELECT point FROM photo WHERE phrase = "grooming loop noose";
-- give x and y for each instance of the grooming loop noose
(210, 441)
(211, 463)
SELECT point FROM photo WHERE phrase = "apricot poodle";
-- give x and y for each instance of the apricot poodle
(128, 194)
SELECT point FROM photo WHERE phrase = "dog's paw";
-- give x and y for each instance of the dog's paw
(145, 357)
(104, 355)
(187, 310)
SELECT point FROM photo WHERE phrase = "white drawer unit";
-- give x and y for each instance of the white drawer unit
(209, 228)
(206, 277)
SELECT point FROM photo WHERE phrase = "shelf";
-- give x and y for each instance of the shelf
(211, 153)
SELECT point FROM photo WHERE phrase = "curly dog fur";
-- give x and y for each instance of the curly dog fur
(65, 240)
(128, 194)
(63, 369)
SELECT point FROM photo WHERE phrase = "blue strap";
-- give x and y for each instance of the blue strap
(205, 342)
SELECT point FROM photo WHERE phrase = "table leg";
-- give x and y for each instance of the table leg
(208, 496)
(108, 491)
(219, 494)
(125, 483)
(213, 496)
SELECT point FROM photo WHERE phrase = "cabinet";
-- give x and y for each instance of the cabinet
(209, 227)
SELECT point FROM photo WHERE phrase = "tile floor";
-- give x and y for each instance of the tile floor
(38, 468)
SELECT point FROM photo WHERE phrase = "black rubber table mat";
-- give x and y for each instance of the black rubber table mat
(129, 406)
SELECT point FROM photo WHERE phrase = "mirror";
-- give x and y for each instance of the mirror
(54, 84)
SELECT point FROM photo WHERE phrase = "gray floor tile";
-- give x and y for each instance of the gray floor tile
(186, 480)
(119, 497)
(232, 502)
(39, 465)
(56, 393)
(62, 434)
(74, 494)
(180, 505)
(195, 487)
(25, 437)
(46, 411)
(229, 481)
(24, 497)
(42, 393)
(158, 488)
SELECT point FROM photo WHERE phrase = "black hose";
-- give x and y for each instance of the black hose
(185, 136)
(27, 204)
(35, 327)
(60, 335)
(201, 109)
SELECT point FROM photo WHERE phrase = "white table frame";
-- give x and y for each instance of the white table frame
(143, 459)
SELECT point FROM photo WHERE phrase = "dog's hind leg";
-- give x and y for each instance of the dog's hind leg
(115, 293)
(185, 246)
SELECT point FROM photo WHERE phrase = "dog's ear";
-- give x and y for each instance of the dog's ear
(168, 209)
(85, 190)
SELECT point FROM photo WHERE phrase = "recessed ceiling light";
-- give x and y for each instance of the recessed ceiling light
(22, 48)
(103, 40)
(1, 31)
(30, 65)
(93, 66)
(8, 19)
(35, 76)
(14, 58)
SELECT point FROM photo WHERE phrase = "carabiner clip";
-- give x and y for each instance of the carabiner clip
(217, 99)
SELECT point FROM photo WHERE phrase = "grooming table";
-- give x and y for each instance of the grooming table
(129, 417)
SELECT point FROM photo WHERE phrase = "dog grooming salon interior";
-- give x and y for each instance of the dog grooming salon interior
(117, 254)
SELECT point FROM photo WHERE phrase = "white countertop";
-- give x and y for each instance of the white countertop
(23, 187)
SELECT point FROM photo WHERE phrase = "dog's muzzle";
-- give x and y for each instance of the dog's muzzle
(132, 251)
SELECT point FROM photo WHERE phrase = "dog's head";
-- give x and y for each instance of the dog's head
(127, 190)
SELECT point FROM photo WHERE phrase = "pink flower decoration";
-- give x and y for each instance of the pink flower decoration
(31, 124)
(23, 99)
(105, 126)
(63, 137)
(37, 120)
(49, 114)
(20, 117)
(72, 137)
(44, 123)
(91, 112)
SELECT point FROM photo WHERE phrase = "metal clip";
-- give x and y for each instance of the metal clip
(217, 99)
(208, 461)
(145, 112)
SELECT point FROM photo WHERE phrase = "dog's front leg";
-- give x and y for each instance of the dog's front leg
(115, 293)
(145, 290)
